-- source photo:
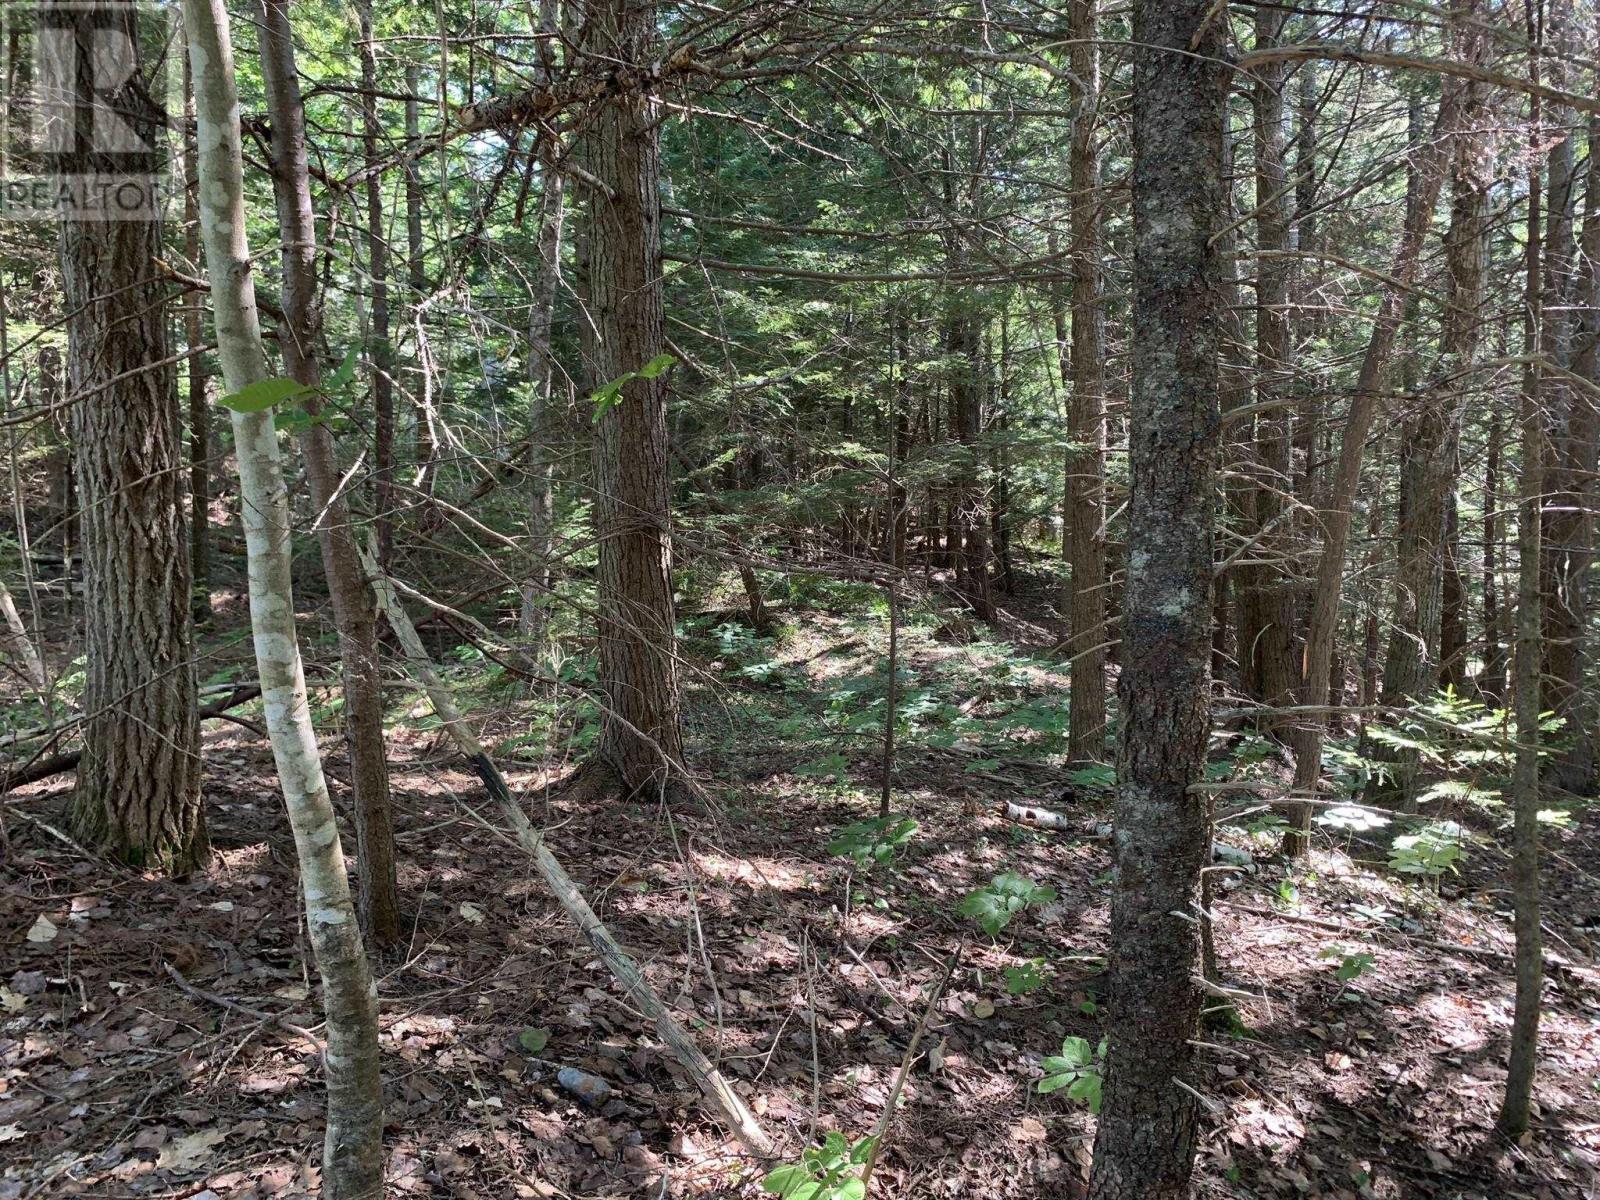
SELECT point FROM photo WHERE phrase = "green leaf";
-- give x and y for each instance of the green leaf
(345, 372)
(658, 365)
(263, 394)
(1087, 1088)
(1023, 979)
(534, 1040)
(609, 396)
(791, 1183)
(993, 906)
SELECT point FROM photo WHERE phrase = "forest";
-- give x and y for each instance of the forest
(800, 599)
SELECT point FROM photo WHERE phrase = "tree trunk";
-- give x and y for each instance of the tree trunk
(1086, 420)
(416, 277)
(541, 373)
(641, 738)
(199, 407)
(354, 612)
(1144, 1148)
(969, 533)
(1526, 699)
(1568, 541)
(352, 1161)
(1492, 684)
(1266, 596)
(380, 351)
(20, 656)
(138, 794)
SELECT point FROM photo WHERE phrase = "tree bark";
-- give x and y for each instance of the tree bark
(380, 351)
(1492, 684)
(1144, 1147)
(541, 370)
(1086, 421)
(1525, 693)
(354, 613)
(1568, 541)
(352, 1161)
(1430, 454)
(138, 794)
(199, 407)
(423, 440)
(969, 533)
(641, 738)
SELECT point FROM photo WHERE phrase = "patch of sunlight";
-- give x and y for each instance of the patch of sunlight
(754, 873)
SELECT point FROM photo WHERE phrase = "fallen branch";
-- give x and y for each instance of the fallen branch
(719, 1094)
(43, 768)
(234, 1006)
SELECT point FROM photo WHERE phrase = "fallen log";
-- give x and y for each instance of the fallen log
(1032, 814)
(719, 1095)
(43, 768)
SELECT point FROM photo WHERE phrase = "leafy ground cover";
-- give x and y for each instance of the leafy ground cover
(159, 1038)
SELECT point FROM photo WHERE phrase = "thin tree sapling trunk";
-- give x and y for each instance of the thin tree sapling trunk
(352, 1160)
(354, 612)
(1086, 704)
(1525, 693)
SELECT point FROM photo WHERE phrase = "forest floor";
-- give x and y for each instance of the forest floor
(148, 1029)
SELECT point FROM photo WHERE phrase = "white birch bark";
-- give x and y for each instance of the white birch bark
(353, 1150)
(20, 646)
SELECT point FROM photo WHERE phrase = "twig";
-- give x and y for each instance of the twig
(905, 1068)
(234, 1006)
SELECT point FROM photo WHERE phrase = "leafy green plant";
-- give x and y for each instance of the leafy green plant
(1002, 898)
(874, 841)
(1429, 852)
(1029, 977)
(1077, 1069)
(1352, 963)
(831, 1171)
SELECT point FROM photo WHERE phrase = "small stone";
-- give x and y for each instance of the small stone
(590, 1089)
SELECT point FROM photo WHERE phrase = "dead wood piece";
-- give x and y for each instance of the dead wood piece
(1032, 814)
(719, 1095)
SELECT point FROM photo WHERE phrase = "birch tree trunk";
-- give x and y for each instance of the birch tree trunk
(353, 1148)
(1144, 1147)
(19, 652)
(354, 612)
(380, 352)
